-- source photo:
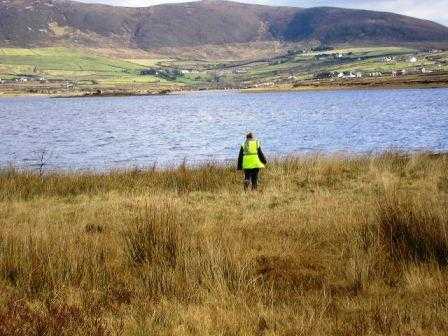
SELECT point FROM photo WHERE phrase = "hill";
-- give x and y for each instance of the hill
(37, 23)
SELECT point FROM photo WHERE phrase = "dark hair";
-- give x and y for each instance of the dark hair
(249, 135)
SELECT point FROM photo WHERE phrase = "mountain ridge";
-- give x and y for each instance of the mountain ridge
(32, 23)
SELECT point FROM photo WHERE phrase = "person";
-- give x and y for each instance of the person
(251, 159)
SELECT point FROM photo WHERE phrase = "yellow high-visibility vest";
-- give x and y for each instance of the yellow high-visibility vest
(250, 158)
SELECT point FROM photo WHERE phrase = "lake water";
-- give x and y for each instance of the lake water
(102, 133)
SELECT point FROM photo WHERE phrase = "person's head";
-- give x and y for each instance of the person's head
(249, 136)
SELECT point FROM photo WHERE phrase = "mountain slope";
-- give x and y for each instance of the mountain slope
(28, 23)
(337, 25)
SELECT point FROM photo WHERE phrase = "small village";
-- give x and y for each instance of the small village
(349, 67)
(312, 67)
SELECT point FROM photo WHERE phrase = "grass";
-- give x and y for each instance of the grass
(146, 62)
(72, 64)
(124, 73)
(328, 246)
(81, 65)
(377, 51)
(64, 59)
(369, 59)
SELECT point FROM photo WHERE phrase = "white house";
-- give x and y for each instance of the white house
(413, 59)
(348, 75)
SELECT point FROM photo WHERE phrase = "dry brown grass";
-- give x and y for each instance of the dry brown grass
(328, 246)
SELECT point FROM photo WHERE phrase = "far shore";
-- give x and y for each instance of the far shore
(86, 94)
(430, 81)
(408, 82)
(309, 88)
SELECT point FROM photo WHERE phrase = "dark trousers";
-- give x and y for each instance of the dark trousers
(251, 178)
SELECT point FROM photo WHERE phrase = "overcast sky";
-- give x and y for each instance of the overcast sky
(436, 10)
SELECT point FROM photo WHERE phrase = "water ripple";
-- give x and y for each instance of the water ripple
(101, 133)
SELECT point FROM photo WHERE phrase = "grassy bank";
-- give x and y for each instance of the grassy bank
(329, 246)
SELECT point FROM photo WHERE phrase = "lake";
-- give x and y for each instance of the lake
(116, 132)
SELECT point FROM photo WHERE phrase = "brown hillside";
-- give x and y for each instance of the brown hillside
(28, 23)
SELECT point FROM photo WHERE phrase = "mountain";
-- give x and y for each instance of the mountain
(29, 23)
(337, 25)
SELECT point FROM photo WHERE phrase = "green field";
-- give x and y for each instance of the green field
(365, 60)
(85, 66)
(71, 64)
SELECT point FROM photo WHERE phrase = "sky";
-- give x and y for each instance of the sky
(435, 10)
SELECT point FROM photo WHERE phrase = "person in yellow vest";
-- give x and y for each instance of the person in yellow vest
(251, 159)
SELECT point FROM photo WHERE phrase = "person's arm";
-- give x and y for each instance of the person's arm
(240, 159)
(261, 156)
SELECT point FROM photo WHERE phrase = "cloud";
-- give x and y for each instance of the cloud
(436, 10)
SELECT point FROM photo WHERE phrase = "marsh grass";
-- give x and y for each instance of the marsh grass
(330, 246)
(414, 228)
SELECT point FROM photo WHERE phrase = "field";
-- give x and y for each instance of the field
(366, 60)
(73, 65)
(61, 62)
(68, 71)
(329, 246)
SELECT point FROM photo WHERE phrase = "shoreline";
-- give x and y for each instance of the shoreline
(101, 92)
(115, 94)
(280, 88)
(433, 81)
(306, 88)
(412, 82)
(221, 164)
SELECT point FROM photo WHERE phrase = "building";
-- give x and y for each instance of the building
(398, 73)
(240, 71)
(347, 75)
(388, 59)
